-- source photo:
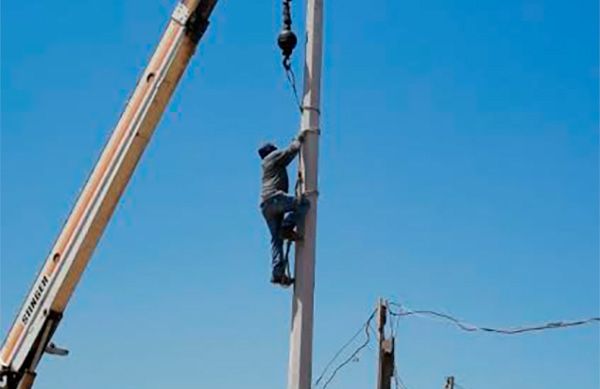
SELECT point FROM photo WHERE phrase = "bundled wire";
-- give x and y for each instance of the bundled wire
(504, 331)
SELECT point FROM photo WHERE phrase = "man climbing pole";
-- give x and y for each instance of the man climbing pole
(281, 211)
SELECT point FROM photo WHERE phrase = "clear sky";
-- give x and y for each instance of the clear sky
(459, 172)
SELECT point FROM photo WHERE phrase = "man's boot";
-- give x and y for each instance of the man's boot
(289, 232)
(284, 280)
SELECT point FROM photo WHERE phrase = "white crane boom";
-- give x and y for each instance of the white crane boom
(42, 310)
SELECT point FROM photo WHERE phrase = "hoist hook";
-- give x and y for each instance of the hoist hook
(287, 63)
(287, 40)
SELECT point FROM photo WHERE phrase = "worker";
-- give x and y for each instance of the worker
(281, 211)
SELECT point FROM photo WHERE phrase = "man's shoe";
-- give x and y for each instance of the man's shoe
(282, 280)
(290, 233)
(286, 281)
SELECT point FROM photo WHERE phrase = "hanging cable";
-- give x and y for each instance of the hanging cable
(504, 331)
(287, 41)
(289, 72)
(398, 382)
(366, 328)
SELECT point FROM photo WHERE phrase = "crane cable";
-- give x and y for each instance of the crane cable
(287, 41)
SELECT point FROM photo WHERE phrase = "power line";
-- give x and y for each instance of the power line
(404, 311)
(339, 352)
(366, 328)
(398, 382)
(403, 385)
(354, 354)
(504, 331)
(394, 323)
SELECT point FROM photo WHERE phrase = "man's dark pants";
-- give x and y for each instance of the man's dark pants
(278, 210)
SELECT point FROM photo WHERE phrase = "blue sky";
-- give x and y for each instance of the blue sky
(459, 172)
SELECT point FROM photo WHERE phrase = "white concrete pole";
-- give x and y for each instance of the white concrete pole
(301, 339)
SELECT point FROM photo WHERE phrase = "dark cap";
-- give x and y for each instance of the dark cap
(266, 149)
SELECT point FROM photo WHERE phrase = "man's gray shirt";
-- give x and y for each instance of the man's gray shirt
(274, 173)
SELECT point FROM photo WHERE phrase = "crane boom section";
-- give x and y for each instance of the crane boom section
(93, 209)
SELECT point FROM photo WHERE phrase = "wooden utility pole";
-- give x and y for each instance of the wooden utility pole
(301, 338)
(449, 383)
(385, 366)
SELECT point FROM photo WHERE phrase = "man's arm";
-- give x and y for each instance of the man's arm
(286, 156)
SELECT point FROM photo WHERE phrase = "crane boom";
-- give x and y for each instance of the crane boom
(46, 301)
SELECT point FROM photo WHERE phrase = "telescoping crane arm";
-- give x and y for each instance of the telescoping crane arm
(42, 310)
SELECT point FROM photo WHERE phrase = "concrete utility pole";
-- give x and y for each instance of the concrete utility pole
(385, 365)
(449, 383)
(301, 338)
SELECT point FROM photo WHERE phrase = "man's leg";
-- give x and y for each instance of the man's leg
(293, 217)
(277, 255)
(272, 212)
(286, 203)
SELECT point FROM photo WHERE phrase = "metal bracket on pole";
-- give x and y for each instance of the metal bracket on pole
(316, 131)
(310, 108)
(311, 193)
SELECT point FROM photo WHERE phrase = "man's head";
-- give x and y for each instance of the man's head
(266, 149)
